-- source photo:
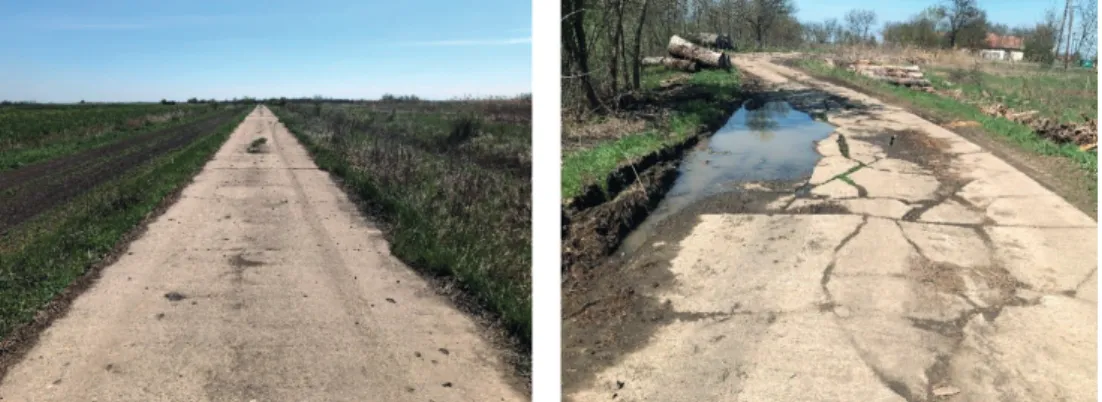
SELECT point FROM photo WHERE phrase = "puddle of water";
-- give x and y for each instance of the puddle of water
(770, 143)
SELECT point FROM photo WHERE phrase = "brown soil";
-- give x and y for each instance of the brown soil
(23, 338)
(25, 193)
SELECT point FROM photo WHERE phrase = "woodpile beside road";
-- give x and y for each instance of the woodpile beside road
(691, 57)
(908, 76)
(1085, 134)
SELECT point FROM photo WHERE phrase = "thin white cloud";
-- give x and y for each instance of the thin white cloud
(473, 42)
(70, 23)
(99, 27)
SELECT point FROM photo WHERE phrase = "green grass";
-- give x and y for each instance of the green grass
(951, 109)
(589, 166)
(255, 145)
(450, 206)
(32, 135)
(1062, 95)
(39, 258)
(652, 77)
(592, 165)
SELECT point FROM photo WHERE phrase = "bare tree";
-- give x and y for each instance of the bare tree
(573, 38)
(833, 29)
(638, 46)
(816, 32)
(960, 14)
(1087, 41)
(764, 14)
(1041, 40)
(859, 23)
(617, 46)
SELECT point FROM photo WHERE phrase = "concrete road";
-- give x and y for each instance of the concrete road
(933, 272)
(262, 283)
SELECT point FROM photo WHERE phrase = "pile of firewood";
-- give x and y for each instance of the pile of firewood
(691, 57)
(1085, 135)
(909, 76)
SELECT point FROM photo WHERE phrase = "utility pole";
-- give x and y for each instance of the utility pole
(1071, 21)
(1063, 23)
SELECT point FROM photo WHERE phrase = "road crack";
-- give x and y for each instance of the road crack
(829, 270)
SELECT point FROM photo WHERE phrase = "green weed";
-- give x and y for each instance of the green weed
(592, 165)
(41, 257)
(461, 210)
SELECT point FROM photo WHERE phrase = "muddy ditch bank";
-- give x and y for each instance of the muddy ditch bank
(596, 223)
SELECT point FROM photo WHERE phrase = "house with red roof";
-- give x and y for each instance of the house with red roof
(1008, 48)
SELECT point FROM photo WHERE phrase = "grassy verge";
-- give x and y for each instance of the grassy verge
(950, 109)
(585, 167)
(1058, 94)
(30, 153)
(42, 257)
(447, 213)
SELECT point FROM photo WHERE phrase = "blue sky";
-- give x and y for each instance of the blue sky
(1010, 12)
(65, 51)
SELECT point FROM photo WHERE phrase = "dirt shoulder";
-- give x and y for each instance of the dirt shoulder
(609, 207)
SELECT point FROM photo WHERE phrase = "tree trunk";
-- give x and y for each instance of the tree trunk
(684, 49)
(622, 48)
(671, 63)
(581, 55)
(1067, 53)
(635, 80)
(613, 71)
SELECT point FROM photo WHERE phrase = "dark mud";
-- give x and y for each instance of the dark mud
(25, 194)
(19, 342)
(594, 223)
(54, 167)
(581, 219)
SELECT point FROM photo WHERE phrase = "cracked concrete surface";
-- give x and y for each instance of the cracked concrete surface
(953, 277)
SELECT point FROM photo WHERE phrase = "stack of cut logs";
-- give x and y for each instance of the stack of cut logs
(1084, 134)
(691, 57)
(909, 76)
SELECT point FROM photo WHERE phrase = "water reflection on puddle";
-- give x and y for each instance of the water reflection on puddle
(770, 142)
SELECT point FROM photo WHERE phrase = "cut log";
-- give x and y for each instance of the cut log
(887, 70)
(672, 63)
(715, 41)
(681, 48)
(909, 82)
